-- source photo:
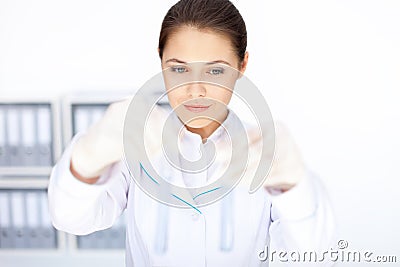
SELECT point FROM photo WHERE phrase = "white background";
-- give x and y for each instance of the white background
(329, 69)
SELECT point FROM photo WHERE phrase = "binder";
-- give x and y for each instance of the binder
(47, 233)
(2, 136)
(81, 119)
(13, 137)
(5, 221)
(96, 240)
(112, 238)
(116, 235)
(91, 241)
(44, 142)
(19, 230)
(32, 219)
(96, 114)
(83, 241)
(100, 240)
(28, 134)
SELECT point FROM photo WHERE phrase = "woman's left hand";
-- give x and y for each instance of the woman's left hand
(288, 168)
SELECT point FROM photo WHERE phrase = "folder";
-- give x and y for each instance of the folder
(5, 221)
(81, 119)
(116, 235)
(112, 238)
(44, 141)
(84, 241)
(13, 136)
(47, 233)
(19, 230)
(100, 240)
(28, 132)
(32, 219)
(3, 127)
(96, 114)
(91, 241)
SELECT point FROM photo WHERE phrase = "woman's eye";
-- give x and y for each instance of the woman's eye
(216, 71)
(178, 69)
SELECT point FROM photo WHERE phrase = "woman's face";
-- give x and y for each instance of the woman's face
(200, 68)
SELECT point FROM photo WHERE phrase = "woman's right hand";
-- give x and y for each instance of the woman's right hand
(101, 145)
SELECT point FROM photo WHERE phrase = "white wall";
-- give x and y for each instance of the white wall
(329, 69)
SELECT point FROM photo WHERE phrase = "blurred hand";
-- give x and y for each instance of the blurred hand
(102, 144)
(288, 168)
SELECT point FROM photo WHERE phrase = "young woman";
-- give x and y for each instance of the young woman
(91, 185)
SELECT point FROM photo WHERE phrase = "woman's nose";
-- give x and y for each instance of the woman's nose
(195, 90)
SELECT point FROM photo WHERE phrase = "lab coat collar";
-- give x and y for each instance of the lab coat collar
(191, 142)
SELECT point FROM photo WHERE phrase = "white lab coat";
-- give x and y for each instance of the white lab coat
(230, 232)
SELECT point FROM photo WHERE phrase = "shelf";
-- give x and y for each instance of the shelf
(25, 171)
(24, 183)
(61, 128)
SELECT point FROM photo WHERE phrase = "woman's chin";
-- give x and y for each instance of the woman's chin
(199, 123)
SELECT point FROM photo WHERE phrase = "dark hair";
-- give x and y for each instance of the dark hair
(220, 16)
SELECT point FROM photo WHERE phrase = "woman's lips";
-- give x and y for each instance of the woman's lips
(196, 108)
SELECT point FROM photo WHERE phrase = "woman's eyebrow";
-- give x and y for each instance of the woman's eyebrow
(218, 61)
(175, 60)
(208, 63)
